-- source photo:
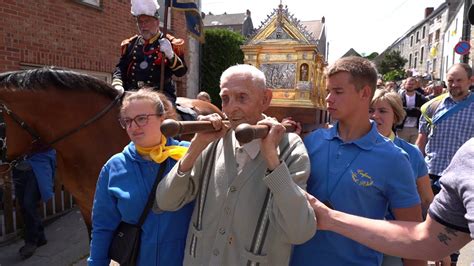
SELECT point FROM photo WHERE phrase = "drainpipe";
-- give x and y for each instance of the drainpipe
(466, 29)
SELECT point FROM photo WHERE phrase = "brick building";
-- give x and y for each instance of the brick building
(83, 35)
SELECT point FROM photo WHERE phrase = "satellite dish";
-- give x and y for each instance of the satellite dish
(471, 15)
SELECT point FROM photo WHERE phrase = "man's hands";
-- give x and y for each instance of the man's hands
(201, 140)
(165, 47)
(271, 141)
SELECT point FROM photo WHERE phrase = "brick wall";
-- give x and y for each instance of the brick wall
(68, 33)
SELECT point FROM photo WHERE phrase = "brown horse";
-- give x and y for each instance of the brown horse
(73, 113)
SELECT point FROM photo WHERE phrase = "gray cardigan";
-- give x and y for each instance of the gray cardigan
(234, 227)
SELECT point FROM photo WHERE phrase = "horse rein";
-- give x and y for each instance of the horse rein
(37, 143)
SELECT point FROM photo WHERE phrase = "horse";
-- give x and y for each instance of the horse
(73, 113)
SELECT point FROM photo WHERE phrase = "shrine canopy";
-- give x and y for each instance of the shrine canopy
(288, 51)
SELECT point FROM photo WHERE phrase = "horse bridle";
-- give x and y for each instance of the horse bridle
(37, 143)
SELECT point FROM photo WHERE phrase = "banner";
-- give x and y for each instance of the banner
(193, 16)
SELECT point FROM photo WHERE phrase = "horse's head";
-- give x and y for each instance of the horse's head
(31, 106)
(75, 114)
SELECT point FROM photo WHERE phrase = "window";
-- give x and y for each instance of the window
(91, 2)
(411, 41)
(437, 35)
(409, 61)
(434, 64)
(424, 32)
(430, 38)
(417, 37)
(415, 61)
(422, 52)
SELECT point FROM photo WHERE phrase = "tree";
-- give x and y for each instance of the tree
(220, 51)
(392, 66)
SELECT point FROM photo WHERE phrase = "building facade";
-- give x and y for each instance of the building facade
(429, 46)
(82, 35)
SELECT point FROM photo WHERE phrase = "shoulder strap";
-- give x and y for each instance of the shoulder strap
(151, 197)
(429, 109)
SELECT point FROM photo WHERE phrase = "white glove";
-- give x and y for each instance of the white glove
(165, 47)
(119, 88)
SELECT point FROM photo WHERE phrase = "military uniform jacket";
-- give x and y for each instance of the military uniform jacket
(140, 64)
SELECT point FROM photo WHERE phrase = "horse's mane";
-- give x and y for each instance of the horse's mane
(61, 79)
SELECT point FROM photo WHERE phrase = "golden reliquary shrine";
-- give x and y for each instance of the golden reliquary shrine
(287, 51)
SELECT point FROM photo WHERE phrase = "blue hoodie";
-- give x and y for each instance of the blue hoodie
(122, 191)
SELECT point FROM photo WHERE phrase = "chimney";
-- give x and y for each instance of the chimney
(428, 11)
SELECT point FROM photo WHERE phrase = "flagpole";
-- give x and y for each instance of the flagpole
(165, 31)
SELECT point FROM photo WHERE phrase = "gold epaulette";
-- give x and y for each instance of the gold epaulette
(178, 44)
(126, 42)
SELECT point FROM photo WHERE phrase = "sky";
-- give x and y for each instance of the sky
(365, 25)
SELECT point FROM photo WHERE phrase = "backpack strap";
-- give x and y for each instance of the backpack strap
(429, 109)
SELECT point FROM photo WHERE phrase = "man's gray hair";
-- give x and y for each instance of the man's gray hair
(255, 74)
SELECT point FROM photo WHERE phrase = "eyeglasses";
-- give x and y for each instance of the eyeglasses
(140, 120)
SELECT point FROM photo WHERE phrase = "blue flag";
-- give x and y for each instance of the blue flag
(193, 16)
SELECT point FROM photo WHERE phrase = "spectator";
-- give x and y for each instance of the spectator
(33, 179)
(412, 102)
(204, 96)
(387, 111)
(436, 90)
(446, 123)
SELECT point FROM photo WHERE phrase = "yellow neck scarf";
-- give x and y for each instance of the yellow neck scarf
(392, 136)
(160, 152)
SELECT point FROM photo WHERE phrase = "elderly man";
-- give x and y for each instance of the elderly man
(142, 55)
(250, 204)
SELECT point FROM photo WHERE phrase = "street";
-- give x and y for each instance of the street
(68, 245)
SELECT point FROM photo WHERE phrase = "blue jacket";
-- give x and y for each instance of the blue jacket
(44, 166)
(122, 191)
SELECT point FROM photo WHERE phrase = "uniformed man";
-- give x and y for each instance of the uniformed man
(140, 63)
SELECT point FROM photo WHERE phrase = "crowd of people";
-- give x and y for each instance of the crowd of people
(283, 200)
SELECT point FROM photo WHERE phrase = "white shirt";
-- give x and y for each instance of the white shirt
(245, 153)
(410, 121)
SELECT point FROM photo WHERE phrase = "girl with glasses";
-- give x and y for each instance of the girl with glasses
(126, 181)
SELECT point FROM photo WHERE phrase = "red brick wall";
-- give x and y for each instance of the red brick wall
(178, 29)
(68, 34)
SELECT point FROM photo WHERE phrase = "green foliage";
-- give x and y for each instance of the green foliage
(220, 51)
(394, 75)
(392, 65)
(372, 56)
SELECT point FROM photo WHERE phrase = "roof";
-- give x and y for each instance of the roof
(314, 27)
(310, 29)
(351, 52)
(224, 19)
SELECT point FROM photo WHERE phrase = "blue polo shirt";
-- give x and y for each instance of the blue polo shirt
(360, 177)
(417, 163)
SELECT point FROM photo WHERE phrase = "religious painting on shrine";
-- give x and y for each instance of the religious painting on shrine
(279, 75)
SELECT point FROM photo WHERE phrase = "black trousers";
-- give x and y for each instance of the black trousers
(28, 195)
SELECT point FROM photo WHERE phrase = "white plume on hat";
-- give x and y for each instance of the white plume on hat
(145, 7)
